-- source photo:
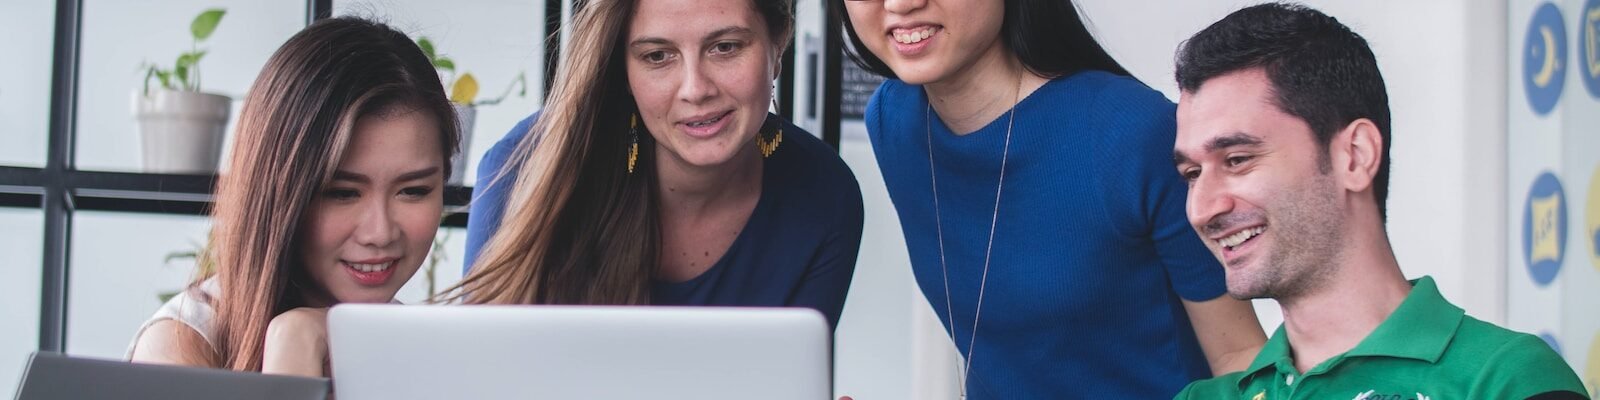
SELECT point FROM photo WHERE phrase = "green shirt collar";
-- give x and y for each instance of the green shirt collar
(1421, 328)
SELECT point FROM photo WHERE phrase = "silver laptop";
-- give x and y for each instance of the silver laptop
(52, 376)
(578, 352)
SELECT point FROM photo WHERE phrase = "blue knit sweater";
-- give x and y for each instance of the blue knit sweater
(1092, 251)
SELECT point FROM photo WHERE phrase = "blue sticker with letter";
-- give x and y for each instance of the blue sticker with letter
(1544, 59)
(1544, 228)
(1589, 46)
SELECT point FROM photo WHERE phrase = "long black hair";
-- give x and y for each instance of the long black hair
(1048, 36)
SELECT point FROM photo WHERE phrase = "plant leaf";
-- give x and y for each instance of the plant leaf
(465, 89)
(191, 80)
(180, 255)
(182, 72)
(205, 23)
(444, 63)
(149, 72)
(427, 47)
(521, 81)
(166, 79)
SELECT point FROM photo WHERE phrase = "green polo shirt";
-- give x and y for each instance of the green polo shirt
(1427, 349)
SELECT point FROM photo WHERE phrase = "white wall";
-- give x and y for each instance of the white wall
(23, 250)
(24, 117)
(890, 344)
(25, 81)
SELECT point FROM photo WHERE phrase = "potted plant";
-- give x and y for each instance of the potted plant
(464, 96)
(181, 128)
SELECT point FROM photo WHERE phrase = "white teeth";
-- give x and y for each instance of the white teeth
(706, 122)
(1240, 237)
(370, 267)
(914, 36)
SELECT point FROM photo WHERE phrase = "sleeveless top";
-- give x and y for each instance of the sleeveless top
(188, 307)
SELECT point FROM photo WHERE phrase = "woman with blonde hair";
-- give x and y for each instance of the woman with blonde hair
(655, 175)
(332, 194)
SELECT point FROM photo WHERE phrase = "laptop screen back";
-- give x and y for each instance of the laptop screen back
(578, 352)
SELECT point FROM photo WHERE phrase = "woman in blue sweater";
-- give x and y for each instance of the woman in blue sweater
(655, 175)
(1034, 181)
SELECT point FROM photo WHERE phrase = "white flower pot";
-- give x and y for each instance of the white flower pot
(466, 115)
(181, 132)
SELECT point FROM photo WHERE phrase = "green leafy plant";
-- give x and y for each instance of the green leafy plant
(185, 72)
(201, 254)
(464, 88)
(436, 257)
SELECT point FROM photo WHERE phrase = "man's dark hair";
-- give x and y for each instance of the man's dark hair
(1321, 71)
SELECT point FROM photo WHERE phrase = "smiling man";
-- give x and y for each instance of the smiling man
(1283, 136)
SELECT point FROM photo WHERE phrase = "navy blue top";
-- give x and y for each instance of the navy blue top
(797, 250)
(1092, 250)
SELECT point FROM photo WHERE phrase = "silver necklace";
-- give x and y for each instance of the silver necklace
(938, 222)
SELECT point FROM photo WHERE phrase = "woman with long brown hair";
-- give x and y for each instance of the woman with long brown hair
(332, 194)
(655, 174)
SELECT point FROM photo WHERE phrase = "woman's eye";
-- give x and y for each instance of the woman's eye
(654, 57)
(341, 194)
(416, 191)
(724, 47)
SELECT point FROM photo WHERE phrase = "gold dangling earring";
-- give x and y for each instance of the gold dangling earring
(763, 143)
(769, 145)
(633, 137)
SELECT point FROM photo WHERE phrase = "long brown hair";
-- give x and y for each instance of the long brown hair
(578, 227)
(292, 134)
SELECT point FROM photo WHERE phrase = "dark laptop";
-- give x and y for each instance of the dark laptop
(52, 376)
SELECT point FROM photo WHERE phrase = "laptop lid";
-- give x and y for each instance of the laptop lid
(52, 376)
(578, 352)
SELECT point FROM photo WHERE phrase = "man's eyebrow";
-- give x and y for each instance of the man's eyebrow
(1218, 143)
(1232, 140)
(1178, 158)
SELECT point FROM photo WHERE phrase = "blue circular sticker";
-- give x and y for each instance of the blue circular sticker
(1544, 58)
(1589, 46)
(1544, 228)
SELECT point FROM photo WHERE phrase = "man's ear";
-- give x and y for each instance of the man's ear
(1356, 153)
